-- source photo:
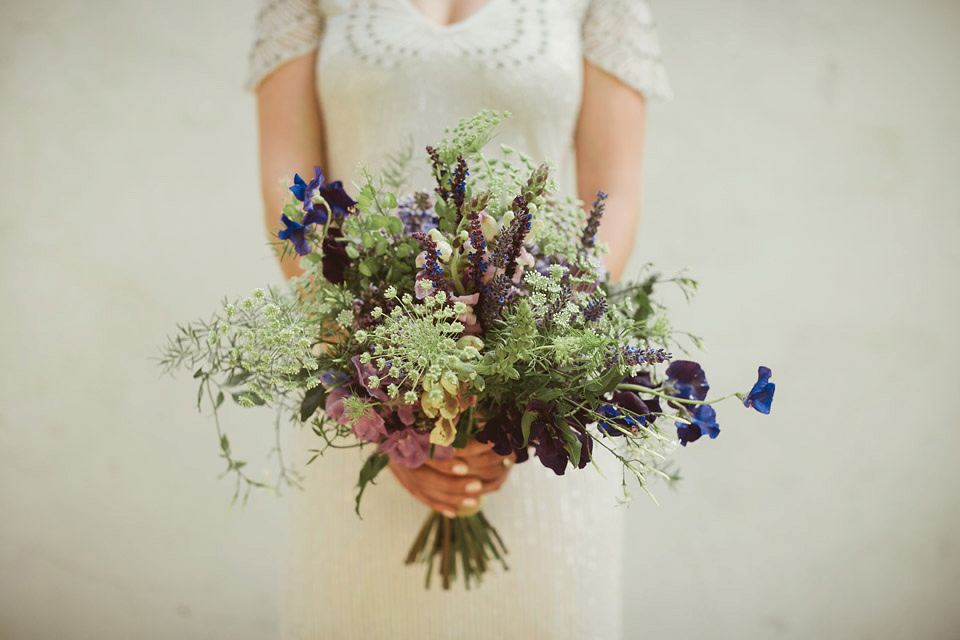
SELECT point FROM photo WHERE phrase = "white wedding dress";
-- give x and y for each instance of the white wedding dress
(387, 75)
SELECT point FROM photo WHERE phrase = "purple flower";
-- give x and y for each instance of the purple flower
(504, 431)
(335, 259)
(408, 447)
(340, 203)
(369, 426)
(704, 422)
(687, 380)
(546, 438)
(364, 371)
(761, 396)
(337, 199)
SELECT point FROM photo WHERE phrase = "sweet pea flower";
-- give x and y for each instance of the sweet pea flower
(368, 426)
(687, 380)
(703, 422)
(411, 448)
(761, 395)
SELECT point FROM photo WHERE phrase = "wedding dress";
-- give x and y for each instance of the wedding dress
(388, 76)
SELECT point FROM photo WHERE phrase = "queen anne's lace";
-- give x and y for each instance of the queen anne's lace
(388, 79)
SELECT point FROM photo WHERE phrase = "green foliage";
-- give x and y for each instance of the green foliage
(371, 468)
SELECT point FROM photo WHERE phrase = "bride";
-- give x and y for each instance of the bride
(340, 83)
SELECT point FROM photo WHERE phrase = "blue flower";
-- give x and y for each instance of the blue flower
(687, 380)
(296, 232)
(761, 396)
(299, 187)
(703, 423)
(616, 418)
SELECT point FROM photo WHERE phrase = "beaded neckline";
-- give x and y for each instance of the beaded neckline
(463, 23)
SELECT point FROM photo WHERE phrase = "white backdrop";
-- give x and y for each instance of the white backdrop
(806, 174)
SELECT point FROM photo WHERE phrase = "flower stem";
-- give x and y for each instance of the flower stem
(659, 394)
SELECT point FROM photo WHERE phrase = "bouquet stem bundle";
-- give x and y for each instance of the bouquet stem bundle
(444, 541)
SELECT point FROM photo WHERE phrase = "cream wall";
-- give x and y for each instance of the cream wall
(806, 174)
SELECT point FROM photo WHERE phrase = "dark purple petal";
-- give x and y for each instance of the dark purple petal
(550, 451)
(340, 203)
(688, 380)
(335, 259)
(761, 395)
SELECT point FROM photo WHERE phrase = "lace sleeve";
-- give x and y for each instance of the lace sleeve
(620, 37)
(285, 29)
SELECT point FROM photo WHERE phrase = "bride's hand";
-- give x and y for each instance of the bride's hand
(453, 485)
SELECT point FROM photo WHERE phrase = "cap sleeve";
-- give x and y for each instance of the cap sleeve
(620, 37)
(285, 29)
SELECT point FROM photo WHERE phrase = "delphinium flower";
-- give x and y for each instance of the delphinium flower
(439, 172)
(458, 184)
(430, 269)
(494, 299)
(477, 238)
(510, 242)
(761, 395)
(589, 237)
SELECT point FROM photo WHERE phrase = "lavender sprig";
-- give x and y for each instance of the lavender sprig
(589, 237)
(635, 356)
(431, 267)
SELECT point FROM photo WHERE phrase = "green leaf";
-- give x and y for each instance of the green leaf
(395, 226)
(607, 382)
(365, 269)
(373, 466)
(525, 423)
(352, 251)
(550, 395)
(389, 201)
(312, 399)
(572, 444)
(368, 240)
(198, 373)
(225, 444)
(237, 378)
(219, 400)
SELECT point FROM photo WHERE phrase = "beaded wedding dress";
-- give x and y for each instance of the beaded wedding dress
(387, 77)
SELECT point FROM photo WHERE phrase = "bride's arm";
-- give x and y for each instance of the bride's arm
(609, 149)
(291, 137)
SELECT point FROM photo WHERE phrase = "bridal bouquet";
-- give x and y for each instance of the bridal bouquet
(478, 309)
